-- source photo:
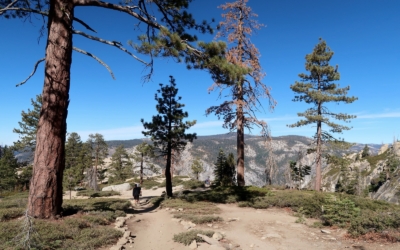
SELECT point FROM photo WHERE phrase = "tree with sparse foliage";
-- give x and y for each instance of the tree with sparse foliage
(299, 171)
(99, 151)
(28, 126)
(318, 89)
(167, 128)
(246, 88)
(121, 165)
(169, 33)
(197, 167)
(8, 166)
(365, 152)
(143, 156)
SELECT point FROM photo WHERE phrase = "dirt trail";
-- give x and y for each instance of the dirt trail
(270, 229)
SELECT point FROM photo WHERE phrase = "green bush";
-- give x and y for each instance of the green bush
(94, 194)
(374, 221)
(339, 212)
(11, 213)
(187, 237)
(193, 184)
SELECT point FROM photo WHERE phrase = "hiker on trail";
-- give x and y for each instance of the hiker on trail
(137, 191)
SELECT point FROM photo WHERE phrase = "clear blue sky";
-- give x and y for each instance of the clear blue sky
(365, 36)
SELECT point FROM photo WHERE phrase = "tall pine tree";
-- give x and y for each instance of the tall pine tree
(99, 151)
(121, 165)
(317, 88)
(167, 128)
(247, 88)
(143, 157)
(8, 166)
(175, 39)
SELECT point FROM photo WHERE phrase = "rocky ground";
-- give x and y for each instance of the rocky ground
(151, 228)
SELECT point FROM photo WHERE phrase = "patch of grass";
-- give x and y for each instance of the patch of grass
(149, 184)
(11, 213)
(193, 184)
(87, 228)
(94, 194)
(187, 237)
(194, 208)
(198, 219)
(373, 160)
(100, 204)
(229, 194)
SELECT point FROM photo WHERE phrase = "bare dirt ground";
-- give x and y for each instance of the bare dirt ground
(270, 229)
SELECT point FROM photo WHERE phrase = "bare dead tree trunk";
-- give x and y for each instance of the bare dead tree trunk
(45, 193)
(240, 146)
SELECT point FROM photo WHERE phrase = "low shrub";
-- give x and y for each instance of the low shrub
(187, 237)
(94, 194)
(11, 213)
(198, 219)
(194, 208)
(339, 211)
(374, 221)
(193, 184)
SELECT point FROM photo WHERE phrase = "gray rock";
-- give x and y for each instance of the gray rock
(325, 231)
(209, 240)
(121, 187)
(272, 235)
(217, 236)
(193, 245)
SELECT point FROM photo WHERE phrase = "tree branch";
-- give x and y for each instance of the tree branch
(8, 6)
(40, 12)
(112, 43)
(84, 24)
(95, 58)
(125, 9)
(33, 72)
(23, 9)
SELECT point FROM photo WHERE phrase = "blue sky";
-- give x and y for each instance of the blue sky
(365, 36)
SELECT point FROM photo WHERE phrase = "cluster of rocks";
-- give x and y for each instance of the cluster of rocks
(127, 237)
(217, 241)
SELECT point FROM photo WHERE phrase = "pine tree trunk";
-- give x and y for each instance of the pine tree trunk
(318, 161)
(45, 193)
(168, 177)
(240, 138)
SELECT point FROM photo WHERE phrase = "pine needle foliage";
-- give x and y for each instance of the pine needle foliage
(167, 128)
(318, 88)
(28, 126)
(224, 170)
(121, 165)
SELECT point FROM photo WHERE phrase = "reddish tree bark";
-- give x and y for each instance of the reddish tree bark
(45, 193)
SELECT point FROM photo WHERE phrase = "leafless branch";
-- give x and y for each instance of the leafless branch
(95, 58)
(8, 6)
(44, 13)
(40, 12)
(112, 43)
(25, 238)
(84, 24)
(33, 72)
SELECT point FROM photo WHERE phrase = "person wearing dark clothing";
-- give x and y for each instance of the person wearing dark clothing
(137, 191)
